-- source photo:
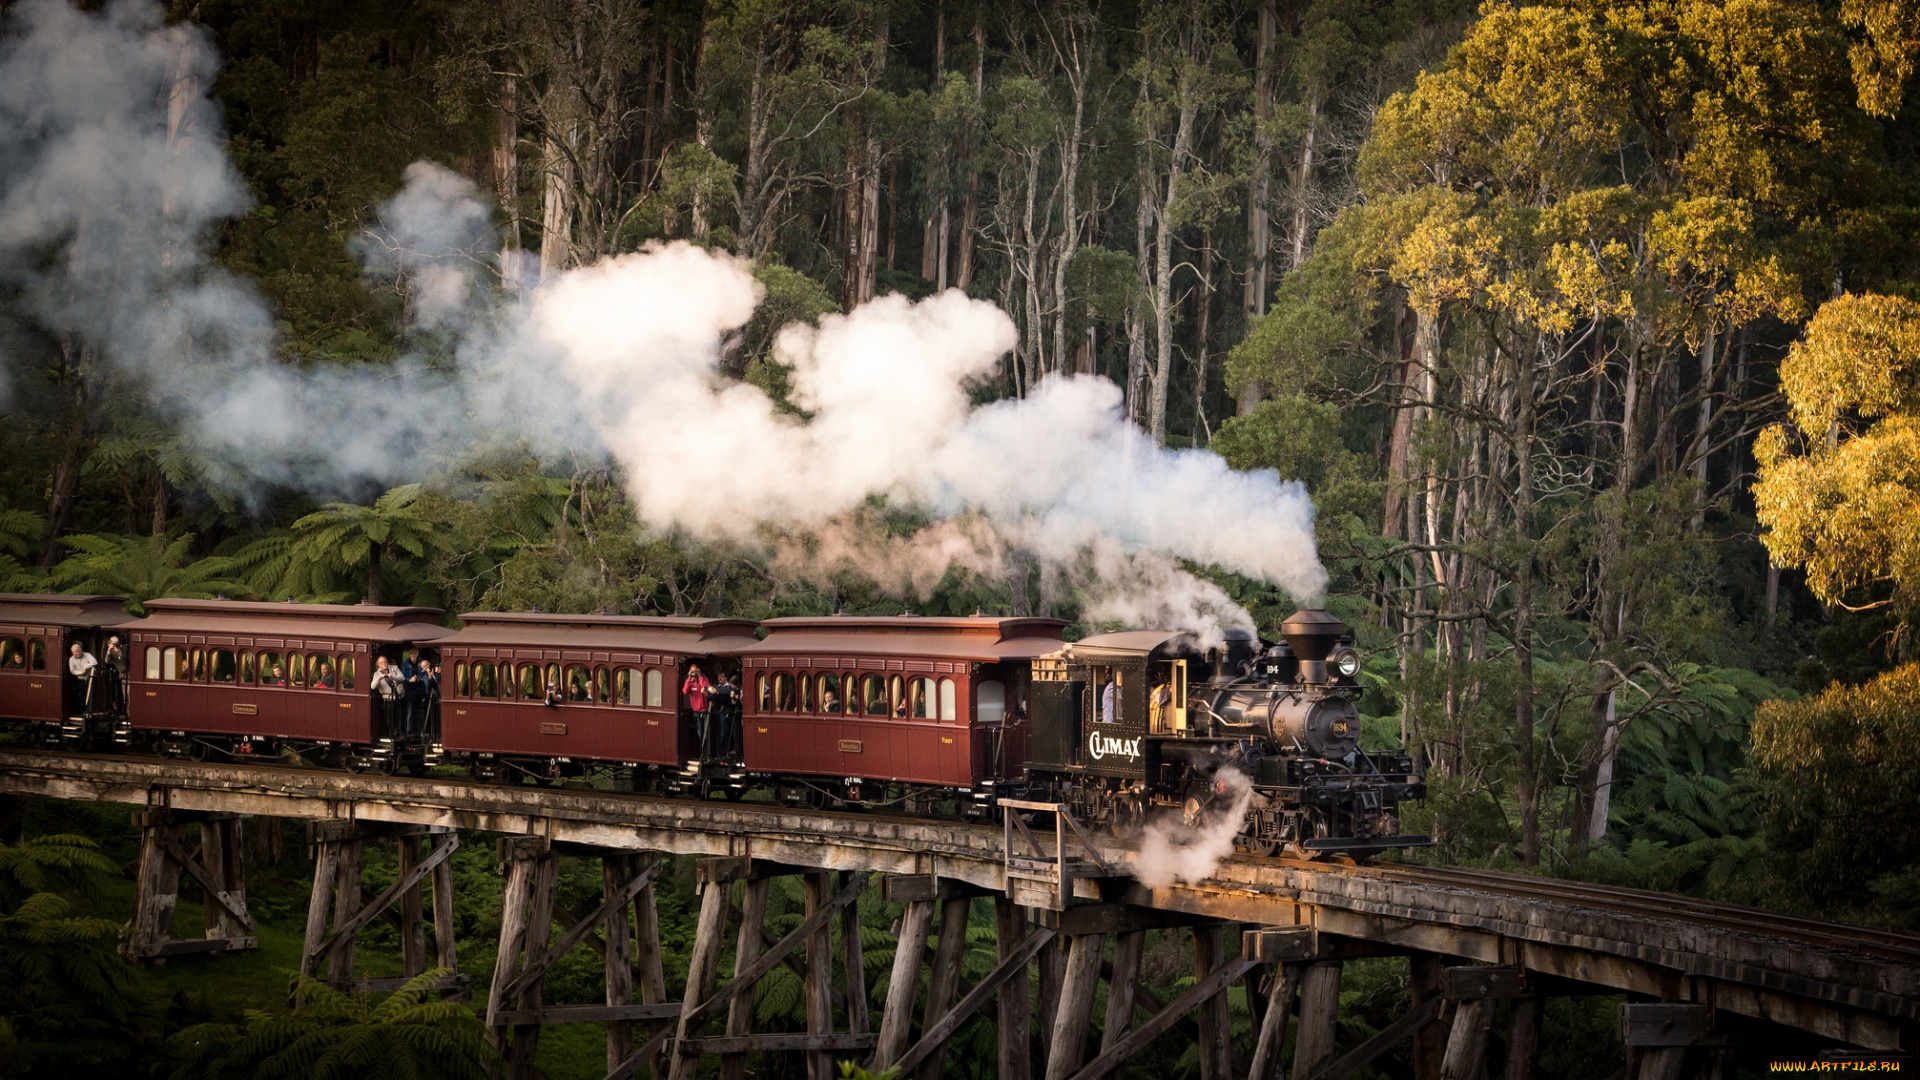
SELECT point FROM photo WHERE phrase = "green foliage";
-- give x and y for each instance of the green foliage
(141, 568)
(344, 538)
(1840, 777)
(66, 998)
(406, 1035)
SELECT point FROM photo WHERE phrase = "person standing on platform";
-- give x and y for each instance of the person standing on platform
(698, 693)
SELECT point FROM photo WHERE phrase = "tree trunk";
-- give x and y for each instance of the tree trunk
(970, 211)
(1303, 185)
(932, 241)
(1205, 299)
(1702, 427)
(72, 446)
(1260, 193)
(1525, 754)
(506, 160)
(1163, 260)
(702, 126)
(558, 214)
(374, 554)
(1070, 181)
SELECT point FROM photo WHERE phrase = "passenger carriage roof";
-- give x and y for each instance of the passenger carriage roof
(61, 609)
(364, 622)
(984, 638)
(660, 633)
(1135, 644)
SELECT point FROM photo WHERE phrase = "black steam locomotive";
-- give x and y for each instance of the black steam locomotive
(1127, 723)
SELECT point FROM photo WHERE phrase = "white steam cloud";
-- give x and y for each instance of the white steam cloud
(110, 155)
(1173, 849)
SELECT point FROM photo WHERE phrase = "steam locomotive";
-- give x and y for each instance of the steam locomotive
(938, 716)
(1130, 724)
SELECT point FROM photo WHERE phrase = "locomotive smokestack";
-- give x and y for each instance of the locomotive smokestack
(1312, 634)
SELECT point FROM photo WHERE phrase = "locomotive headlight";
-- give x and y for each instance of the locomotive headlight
(1346, 662)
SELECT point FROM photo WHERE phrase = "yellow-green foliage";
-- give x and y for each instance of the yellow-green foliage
(1847, 510)
(1842, 771)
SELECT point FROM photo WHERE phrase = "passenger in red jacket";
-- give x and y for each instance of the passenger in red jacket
(697, 690)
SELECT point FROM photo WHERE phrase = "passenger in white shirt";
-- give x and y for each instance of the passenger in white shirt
(81, 664)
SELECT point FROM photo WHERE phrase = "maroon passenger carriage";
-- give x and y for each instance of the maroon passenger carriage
(36, 631)
(235, 677)
(619, 703)
(919, 713)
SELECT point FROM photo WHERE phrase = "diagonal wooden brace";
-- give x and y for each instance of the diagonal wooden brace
(950, 1021)
(744, 980)
(1224, 976)
(536, 971)
(219, 895)
(371, 911)
(1388, 1037)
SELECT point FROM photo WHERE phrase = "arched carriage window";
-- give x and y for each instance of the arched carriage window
(602, 687)
(783, 699)
(346, 673)
(873, 689)
(765, 694)
(13, 653)
(485, 682)
(247, 669)
(579, 684)
(948, 709)
(153, 661)
(656, 688)
(223, 666)
(897, 696)
(829, 690)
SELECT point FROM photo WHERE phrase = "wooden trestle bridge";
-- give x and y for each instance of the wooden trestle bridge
(1709, 977)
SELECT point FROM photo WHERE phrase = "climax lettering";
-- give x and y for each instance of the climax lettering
(1099, 747)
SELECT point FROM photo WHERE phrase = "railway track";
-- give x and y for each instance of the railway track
(1841, 937)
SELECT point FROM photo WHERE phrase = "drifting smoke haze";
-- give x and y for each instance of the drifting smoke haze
(1172, 850)
(110, 152)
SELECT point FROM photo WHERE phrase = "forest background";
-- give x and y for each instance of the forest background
(1591, 328)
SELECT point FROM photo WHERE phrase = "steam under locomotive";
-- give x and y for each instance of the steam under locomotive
(1126, 723)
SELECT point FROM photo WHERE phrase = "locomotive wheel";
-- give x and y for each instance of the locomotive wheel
(1129, 819)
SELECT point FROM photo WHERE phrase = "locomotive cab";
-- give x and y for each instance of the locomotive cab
(1128, 722)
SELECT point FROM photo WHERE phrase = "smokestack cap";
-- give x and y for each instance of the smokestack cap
(1312, 633)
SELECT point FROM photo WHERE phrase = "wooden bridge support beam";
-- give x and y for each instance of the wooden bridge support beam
(1067, 1040)
(1216, 1031)
(1013, 999)
(1427, 973)
(1523, 1039)
(339, 910)
(1284, 986)
(1319, 1010)
(218, 868)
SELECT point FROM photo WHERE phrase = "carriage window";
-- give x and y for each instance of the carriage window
(246, 668)
(272, 671)
(529, 682)
(321, 670)
(199, 665)
(783, 692)
(806, 693)
(37, 654)
(897, 696)
(223, 665)
(990, 702)
(346, 673)
(920, 693)
(655, 688)
(579, 684)
(765, 695)
(601, 693)
(483, 680)
(296, 670)
(461, 687)
(623, 687)
(153, 661)
(947, 710)
(829, 693)
(874, 691)
(553, 679)
(13, 653)
(172, 661)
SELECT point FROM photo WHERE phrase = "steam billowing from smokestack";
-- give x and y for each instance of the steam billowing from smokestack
(107, 144)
